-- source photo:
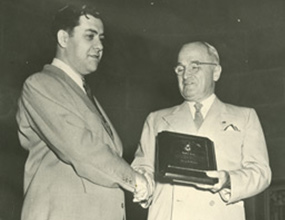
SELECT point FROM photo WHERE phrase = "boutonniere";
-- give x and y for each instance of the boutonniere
(229, 127)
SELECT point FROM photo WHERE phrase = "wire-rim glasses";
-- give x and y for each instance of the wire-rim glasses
(193, 67)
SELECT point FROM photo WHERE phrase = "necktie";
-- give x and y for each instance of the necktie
(198, 115)
(91, 97)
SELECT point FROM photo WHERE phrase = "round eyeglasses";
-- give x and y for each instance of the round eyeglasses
(193, 67)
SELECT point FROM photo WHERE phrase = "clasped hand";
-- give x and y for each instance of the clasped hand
(144, 187)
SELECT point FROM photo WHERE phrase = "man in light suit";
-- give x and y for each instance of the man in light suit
(75, 168)
(242, 159)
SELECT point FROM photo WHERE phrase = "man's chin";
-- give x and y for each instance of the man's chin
(92, 69)
(188, 96)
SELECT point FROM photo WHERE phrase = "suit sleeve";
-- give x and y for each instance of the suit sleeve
(255, 174)
(68, 135)
(145, 155)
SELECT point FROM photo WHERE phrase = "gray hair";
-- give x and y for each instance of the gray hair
(212, 51)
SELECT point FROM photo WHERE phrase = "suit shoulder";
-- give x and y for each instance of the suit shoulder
(162, 112)
(47, 80)
(42, 77)
(238, 110)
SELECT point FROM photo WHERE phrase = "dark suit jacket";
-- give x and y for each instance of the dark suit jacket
(74, 169)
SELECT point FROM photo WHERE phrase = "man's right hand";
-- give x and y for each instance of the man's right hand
(143, 189)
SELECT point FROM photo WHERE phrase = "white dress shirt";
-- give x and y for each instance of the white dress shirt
(77, 78)
(207, 103)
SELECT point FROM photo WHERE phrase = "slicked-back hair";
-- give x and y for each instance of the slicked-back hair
(68, 17)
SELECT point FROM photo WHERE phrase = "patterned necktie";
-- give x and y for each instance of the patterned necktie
(198, 115)
(91, 97)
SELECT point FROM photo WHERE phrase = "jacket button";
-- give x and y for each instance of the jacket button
(122, 205)
(212, 203)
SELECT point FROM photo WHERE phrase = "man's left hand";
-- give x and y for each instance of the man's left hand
(223, 181)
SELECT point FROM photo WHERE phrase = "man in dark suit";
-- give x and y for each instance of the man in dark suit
(75, 168)
(241, 153)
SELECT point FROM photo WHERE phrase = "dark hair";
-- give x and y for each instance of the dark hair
(68, 17)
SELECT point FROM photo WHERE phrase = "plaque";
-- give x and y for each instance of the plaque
(182, 158)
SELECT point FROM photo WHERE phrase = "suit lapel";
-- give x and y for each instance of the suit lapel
(116, 139)
(214, 119)
(181, 120)
(73, 86)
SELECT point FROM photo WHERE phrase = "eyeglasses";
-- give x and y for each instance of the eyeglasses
(193, 67)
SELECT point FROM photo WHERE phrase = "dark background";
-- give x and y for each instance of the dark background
(136, 74)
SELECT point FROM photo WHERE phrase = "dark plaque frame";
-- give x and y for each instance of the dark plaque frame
(182, 158)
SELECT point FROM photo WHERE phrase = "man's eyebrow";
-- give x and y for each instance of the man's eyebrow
(91, 30)
(94, 31)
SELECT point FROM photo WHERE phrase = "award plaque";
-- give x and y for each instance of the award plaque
(182, 158)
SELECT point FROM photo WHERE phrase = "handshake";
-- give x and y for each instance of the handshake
(144, 187)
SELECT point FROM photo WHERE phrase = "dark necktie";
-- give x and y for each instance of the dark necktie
(198, 115)
(91, 97)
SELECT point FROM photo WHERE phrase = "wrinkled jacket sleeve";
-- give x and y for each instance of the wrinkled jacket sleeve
(145, 155)
(255, 174)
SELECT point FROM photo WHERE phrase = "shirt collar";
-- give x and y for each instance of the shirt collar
(207, 103)
(77, 78)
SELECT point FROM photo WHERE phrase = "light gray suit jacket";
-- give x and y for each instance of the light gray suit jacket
(74, 169)
(240, 149)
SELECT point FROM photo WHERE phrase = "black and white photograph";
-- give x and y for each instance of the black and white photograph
(142, 110)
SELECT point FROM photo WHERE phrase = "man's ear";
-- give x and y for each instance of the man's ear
(217, 73)
(62, 38)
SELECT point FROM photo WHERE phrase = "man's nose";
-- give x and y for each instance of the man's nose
(98, 44)
(188, 73)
